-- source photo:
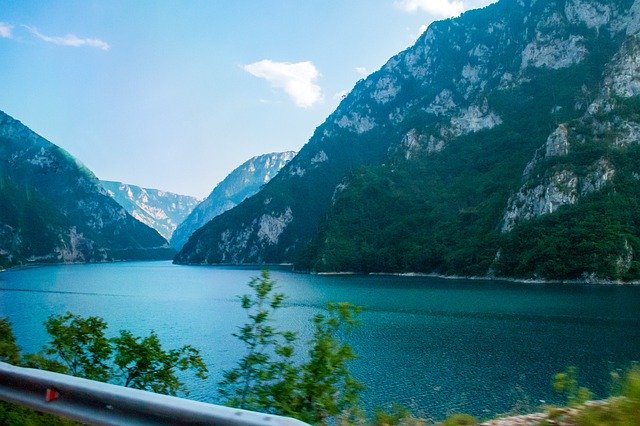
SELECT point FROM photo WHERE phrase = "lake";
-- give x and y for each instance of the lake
(436, 345)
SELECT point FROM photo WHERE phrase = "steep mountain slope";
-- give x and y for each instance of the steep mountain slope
(240, 184)
(53, 209)
(575, 214)
(161, 210)
(434, 163)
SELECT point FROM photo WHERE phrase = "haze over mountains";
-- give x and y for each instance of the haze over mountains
(241, 183)
(504, 142)
(53, 209)
(161, 210)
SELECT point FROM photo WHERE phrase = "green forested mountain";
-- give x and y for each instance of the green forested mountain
(53, 209)
(504, 142)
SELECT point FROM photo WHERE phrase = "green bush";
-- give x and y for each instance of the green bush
(460, 419)
(566, 383)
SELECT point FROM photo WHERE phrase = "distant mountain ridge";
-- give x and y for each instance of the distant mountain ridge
(241, 183)
(53, 209)
(503, 143)
(161, 210)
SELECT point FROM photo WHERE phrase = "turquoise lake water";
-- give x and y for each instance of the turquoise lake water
(437, 345)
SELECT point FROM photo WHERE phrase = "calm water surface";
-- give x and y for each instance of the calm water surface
(437, 345)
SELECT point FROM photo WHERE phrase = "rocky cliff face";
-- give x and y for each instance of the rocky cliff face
(53, 209)
(490, 124)
(161, 210)
(605, 121)
(240, 184)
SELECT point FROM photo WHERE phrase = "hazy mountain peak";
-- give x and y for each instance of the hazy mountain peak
(241, 183)
(161, 210)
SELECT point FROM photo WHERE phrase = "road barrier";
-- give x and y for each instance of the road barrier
(99, 403)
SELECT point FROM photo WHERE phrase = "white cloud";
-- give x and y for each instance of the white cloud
(361, 70)
(298, 80)
(441, 8)
(438, 8)
(5, 30)
(70, 40)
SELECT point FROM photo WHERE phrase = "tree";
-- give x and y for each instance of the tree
(41, 362)
(264, 377)
(327, 387)
(81, 345)
(141, 363)
(144, 364)
(9, 350)
(11, 414)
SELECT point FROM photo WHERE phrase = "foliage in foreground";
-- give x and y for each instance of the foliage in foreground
(566, 383)
(268, 379)
(623, 408)
(13, 414)
(320, 390)
(78, 346)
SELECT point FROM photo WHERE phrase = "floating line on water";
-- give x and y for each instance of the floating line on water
(503, 316)
(63, 292)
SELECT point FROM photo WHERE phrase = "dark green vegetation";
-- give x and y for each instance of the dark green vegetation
(388, 219)
(418, 167)
(442, 212)
(599, 235)
(52, 209)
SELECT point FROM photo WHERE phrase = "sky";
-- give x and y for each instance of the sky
(174, 95)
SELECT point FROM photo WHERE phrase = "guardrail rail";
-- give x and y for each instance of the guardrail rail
(99, 403)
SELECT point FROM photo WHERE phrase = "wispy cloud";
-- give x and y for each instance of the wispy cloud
(70, 40)
(361, 70)
(438, 8)
(298, 80)
(441, 8)
(5, 30)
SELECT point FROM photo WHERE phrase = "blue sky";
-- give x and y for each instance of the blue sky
(176, 94)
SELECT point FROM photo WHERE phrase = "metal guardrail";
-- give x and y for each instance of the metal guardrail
(106, 404)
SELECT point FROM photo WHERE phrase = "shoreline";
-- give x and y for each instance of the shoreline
(587, 281)
(290, 266)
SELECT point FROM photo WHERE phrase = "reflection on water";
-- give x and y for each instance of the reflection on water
(434, 344)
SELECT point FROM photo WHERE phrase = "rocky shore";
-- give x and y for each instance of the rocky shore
(560, 416)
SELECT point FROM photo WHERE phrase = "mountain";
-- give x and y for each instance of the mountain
(503, 143)
(241, 183)
(161, 210)
(53, 209)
